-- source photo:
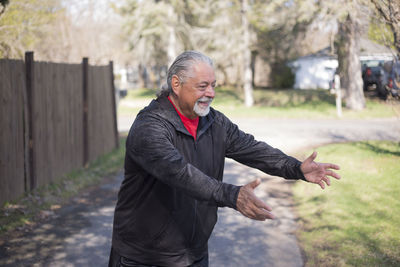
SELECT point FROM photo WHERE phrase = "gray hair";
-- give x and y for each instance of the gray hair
(181, 67)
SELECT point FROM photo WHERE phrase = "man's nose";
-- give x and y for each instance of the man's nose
(210, 92)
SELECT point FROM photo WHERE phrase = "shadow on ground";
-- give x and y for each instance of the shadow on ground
(78, 234)
(239, 241)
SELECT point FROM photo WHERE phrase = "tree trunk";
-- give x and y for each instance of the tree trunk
(396, 34)
(349, 64)
(172, 38)
(3, 5)
(248, 74)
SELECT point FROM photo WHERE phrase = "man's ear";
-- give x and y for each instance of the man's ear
(175, 84)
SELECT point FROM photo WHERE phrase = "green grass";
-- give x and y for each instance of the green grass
(27, 209)
(317, 104)
(356, 221)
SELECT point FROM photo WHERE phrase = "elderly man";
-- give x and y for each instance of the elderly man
(175, 151)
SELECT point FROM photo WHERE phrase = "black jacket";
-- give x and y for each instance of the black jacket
(167, 203)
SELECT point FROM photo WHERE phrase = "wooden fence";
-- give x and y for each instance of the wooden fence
(54, 118)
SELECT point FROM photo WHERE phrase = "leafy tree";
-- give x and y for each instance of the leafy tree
(23, 22)
(380, 33)
(155, 30)
(389, 10)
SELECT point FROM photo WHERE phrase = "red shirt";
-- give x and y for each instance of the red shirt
(190, 125)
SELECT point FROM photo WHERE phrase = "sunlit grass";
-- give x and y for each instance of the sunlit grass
(317, 104)
(356, 221)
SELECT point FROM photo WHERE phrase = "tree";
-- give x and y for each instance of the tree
(248, 74)
(3, 4)
(281, 28)
(389, 10)
(155, 30)
(82, 29)
(59, 30)
(349, 63)
(23, 23)
(218, 32)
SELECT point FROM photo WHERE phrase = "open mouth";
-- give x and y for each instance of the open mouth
(204, 102)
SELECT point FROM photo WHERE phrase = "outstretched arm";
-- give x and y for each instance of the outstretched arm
(254, 208)
(318, 173)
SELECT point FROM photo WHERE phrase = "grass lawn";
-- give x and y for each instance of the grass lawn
(356, 221)
(273, 104)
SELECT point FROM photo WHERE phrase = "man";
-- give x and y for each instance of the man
(175, 152)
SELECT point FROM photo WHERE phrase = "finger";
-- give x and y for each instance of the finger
(258, 214)
(327, 180)
(321, 184)
(311, 157)
(254, 183)
(262, 215)
(333, 174)
(262, 205)
(250, 214)
(266, 215)
(331, 166)
(260, 209)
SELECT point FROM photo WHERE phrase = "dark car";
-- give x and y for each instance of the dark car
(391, 79)
(372, 74)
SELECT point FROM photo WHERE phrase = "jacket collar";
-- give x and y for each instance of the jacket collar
(163, 107)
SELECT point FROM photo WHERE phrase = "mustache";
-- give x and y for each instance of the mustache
(205, 99)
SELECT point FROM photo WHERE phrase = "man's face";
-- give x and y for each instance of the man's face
(194, 96)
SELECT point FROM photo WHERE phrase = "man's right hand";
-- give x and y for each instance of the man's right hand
(250, 205)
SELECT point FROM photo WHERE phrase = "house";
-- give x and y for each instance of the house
(316, 71)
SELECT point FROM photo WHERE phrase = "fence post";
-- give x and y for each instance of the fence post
(114, 108)
(30, 90)
(85, 68)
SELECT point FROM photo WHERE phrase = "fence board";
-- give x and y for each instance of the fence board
(12, 85)
(57, 120)
(100, 116)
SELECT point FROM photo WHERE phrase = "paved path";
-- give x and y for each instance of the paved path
(79, 233)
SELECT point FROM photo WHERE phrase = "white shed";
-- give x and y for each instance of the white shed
(314, 71)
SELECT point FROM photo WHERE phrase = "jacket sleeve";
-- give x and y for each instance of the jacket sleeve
(150, 145)
(245, 149)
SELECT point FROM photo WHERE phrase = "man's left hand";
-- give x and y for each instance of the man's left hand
(318, 173)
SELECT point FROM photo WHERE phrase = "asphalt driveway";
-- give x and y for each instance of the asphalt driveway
(79, 233)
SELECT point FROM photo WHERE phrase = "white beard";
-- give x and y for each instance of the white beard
(201, 111)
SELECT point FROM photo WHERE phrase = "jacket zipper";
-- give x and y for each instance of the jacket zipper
(195, 201)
